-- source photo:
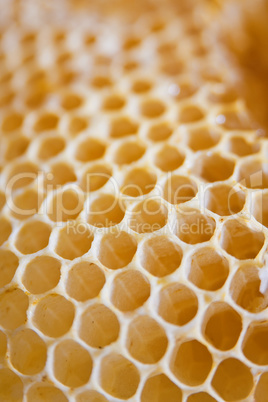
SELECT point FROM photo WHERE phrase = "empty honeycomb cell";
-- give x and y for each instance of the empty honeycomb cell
(224, 200)
(182, 90)
(253, 174)
(245, 289)
(241, 147)
(130, 65)
(123, 126)
(201, 397)
(148, 216)
(139, 181)
(213, 167)
(221, 325)
(261, 390)
(90, 39)
(66, 205)
(141, 86)
(64, 58)
(191, 362)
(178, 189)
(28, 352)
(208, 269)
(131, 43)
(12, 122)
(232, 380)
(72, 364)
(74, 240)
(85, 281)
(42, 392)
(71, 101)
(32, 237)
(13, 308)
(90, 396)
(105, 211)
(169, 158)
(8, 265)
(160, 132)
(101, 81)
(177, 304)
(260, 208)
(152, 108)
(11, 386)
(254, 345)
(60, 174)
(160, 388)
(96, 177)
(90, 149)
(77, 125)
(240, 241)
(222, 94)
(118, 376)
(46, 122)
(116, 250)
(130, 290)
(5, 230)
(167, 48)
(234, 120)
(3, 345)
(41, 274)
(190, 114)
(172, 67)
(146, 340)
(16, 147)
(99, 326)
(26, 204)
(21, 175)
(114, 102)
(35, 98)
(202, 138)
(128, 152)
(192, 227)
(161, 256)
(51, 147)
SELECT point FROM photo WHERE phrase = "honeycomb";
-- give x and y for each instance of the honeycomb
(134, 208)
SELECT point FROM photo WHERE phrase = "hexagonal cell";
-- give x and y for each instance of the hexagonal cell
(224, 200)
(213, 167)
(42, 392)
(113, 102)
(222, 94)
(160, 388)
(192, 227)
(21, 175)
(148, 216)
(234, 120)
(139, 181)
(146, 340)
(66, 205)
(12, 122)
(254, 345)
(74, 241)
(32, 237)
(191, 362)
(117, 249)
(95, 177)
(177, 304)
(253, 174)
(9, 263)
(169, 158)
(77, 125)
(221, 325)
(131, 42)
(89, 150)
(261, 390)
(182, 90)
(245, 289)
(172, 66)
(35, 98)
(11, 386)
(118, 376)
(3, 346)
(241, 147)
(201, 397)
(123, 126)
(16, 147)
(202, 138)
(60, 174)
(72, 364)
(240, 241)
(152, 108)
(260, 208)
(51, 147)
(41, 274)
(128, 152)
(72, 101)
(5, 230)
(53, 315)
(232, 380)
(28, 352)
(160, 132)
(208, 269)
(190, 114)
(101, 81)
(46, 122)
(178, 189)
(130, 290)
(85, 281)
(14, 304)
(160, 256)
(105, 211)
(99, 326)
(140, 86)
(90, 396)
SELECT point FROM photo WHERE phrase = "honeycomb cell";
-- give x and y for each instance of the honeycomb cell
(261, 390)
(90, 39)
(89, 150)
(201, 397)
(42, 392)
(3, 346)
(160, 388)
(11, 386)
(113, 103)
(172, 67)
(101, 81)
(222, 94)
(21, 175)
(12, 122)
(99, 326)
(191, 362)
(105, 211)
(146, 340)
(139, 181)
(129, 152)
(51, 147)
(53, 315)
(253, 174)
(232, 380)
(26, 204)
(85, 281)
(190, 114)
(260, 208)
(122, 127)
(46, 122)
(14, 304)
(74, 240)
(182, 90)
(72, 364)
(118, 376)
(9, 263)
(208, 269)
(241, 147)
(202, 138)
(131, 43)
(169, 158)
(28, 352)
(148, 216)
(152, 108)
(234, 120)
(254, 344)
(95, 177)
(90, 396)
(224, 200)
(141, 86)
(71, 101)
(32, 237)
(60, 174)
(16, 147)
(240, 241)
(213, 167)
(179, 189)
(41, 274)
(66, 205)
(192, 227)
(77, 125)
(160, 132)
